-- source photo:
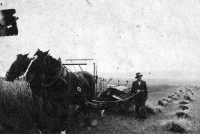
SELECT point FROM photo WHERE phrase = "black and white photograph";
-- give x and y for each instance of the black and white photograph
(99, 66)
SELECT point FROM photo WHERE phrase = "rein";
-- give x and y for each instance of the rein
(62, 74)
(10, 71)
(15, 70)
(77, 78)
(120, 100)
(24, 75)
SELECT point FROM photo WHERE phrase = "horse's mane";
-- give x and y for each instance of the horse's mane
(53, 59)
(52, 70)
(54, 65)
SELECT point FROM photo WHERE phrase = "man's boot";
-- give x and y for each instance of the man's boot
(138, 111)
(143, 112)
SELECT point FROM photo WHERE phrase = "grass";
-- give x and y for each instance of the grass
(168, 101)
(188, 97)
(157, 88)
(183, 115)
(162, 103)
(177, 125)
(153, 109)
(16, 106)
(183, 107)
(172, 97)
(183, 102)
(17, 110)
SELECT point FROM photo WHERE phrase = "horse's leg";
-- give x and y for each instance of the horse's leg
(64, 113)
(36, 107)
(60, 115)
(86, 113)
(38, 114)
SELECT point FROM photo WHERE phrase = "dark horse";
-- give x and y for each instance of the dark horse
(49, 80)
(18, 67)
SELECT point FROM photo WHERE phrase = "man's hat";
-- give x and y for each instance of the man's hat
(138, 75)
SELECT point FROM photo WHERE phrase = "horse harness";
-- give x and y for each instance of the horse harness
(67, 77)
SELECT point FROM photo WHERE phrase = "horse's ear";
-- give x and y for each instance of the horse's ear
(26, 55)
(46, 53)
(38, 50)
(19, 56)
(36, 53)
(59, 59)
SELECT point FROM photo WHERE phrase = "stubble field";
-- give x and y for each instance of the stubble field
(172, 109)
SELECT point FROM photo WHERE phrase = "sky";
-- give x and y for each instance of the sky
(122, 36)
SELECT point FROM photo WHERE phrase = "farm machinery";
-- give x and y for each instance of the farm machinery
(114, 98)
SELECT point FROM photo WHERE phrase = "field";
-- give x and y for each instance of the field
(17, 112)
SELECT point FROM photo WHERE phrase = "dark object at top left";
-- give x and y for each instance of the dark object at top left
(8, 24)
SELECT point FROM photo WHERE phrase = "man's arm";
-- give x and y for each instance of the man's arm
(133, 90)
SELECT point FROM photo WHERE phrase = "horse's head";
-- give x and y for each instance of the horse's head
(37, 68)
(18, 67)
(52, 69)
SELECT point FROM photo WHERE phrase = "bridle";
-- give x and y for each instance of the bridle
(19, 69)
(24, 75)
(11, 71)
(61, 75)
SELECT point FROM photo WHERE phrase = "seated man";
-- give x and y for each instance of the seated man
(140, 98)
